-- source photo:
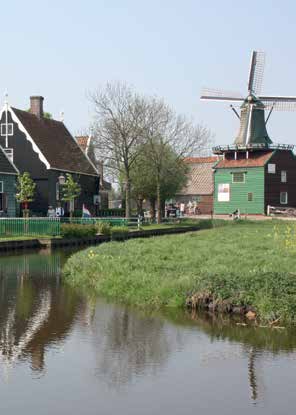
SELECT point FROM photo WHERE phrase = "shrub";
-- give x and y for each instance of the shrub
(103, 228)
(119, 232)
(77, 231)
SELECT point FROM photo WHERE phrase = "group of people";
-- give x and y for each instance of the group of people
(182, 209)
(55, 212)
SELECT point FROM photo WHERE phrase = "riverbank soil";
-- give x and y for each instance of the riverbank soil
(244, 266)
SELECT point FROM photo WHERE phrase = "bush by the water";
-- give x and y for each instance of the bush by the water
(77, 231)
(119, 232)
(104, 228)
(248, 263)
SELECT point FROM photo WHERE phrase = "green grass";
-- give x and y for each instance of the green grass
(25, 238)
(248, 263)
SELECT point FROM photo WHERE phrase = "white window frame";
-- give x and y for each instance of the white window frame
(9, 153)
(271, 168)
(241, 172)
(286, 198)
(284, 176)
(1, 187)
(3, 130)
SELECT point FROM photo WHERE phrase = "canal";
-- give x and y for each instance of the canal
(64, 352)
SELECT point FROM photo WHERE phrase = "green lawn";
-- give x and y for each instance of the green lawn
(25, 238)
(247, 263)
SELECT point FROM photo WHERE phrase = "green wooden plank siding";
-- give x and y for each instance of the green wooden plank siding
(254, 183)
(9, 187)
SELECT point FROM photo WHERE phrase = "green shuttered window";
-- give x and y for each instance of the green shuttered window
(238, 177)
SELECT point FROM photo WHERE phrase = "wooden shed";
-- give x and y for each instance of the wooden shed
(251, 183)
(199, 189)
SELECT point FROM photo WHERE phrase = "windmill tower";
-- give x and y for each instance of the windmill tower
(253, 148)
(252, 132)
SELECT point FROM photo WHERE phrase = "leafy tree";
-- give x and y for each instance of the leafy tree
(70, 191)
(25, 191)
(170, 137)
(145, 178)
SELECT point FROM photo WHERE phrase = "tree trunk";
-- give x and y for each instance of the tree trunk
(128, 199)
(152, 208)
(158, 200)
(140, 206)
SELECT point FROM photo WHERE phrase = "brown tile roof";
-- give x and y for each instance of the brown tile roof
(56, 143)
(201, 159)
(256, 159)
(200, 176)
(82, 142)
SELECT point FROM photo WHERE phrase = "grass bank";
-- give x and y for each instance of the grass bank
(245, 263)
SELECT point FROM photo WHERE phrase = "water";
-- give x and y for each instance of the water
(64, 353)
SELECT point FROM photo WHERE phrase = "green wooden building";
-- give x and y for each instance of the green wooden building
(266, 177)
(8, 177)
(254, 173)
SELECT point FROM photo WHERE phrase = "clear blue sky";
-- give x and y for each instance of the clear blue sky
(170, 48)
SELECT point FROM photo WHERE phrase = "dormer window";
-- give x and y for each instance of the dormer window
(6, 129)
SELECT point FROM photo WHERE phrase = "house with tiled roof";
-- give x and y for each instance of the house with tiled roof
(8, 177)
(199, 189)
(45, 148)
(86, 143)
(251, 180)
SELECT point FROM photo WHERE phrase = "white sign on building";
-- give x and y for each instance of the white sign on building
(223, 192)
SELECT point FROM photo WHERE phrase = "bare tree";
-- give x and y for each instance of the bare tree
(118, 129)
(169, 133)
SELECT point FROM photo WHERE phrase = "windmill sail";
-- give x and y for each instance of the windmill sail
(256, 72)
(252, 119)
(220, 95)
(279, 103)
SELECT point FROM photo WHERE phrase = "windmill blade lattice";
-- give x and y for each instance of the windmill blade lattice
(256, 72)
(220, 95)
(279, 103)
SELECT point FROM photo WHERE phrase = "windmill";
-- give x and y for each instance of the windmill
(252, 132)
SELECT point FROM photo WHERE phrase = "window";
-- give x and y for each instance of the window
(283, 198)
(250, 197)
(1, 197)
(271, 168)
(238, 177)
(9, 153)
(7, 128)
(283, 176)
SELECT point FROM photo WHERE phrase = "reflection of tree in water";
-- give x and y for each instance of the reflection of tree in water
(255, 342)
(130, 344)
(35, 309)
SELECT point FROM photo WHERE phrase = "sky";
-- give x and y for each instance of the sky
(169, 48)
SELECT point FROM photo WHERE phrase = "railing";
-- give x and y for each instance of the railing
(29, 227)
(254, 146)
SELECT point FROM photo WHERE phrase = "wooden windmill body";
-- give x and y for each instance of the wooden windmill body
(253, 172)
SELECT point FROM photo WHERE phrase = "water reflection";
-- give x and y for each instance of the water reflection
(128, 344)
(35, 309)
(97, 352)
(256, 342)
